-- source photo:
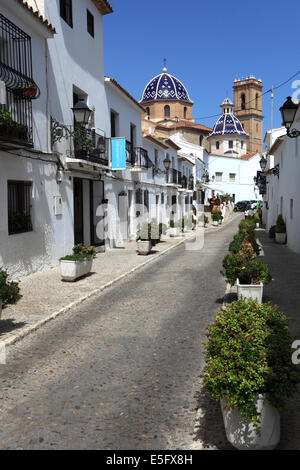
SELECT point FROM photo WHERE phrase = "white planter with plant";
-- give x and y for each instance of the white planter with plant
(243, 435)
(73, 267)
(78, 264)
(144, 247)
(280, 238)
(250, 291)
(248, 369)
(280, 230)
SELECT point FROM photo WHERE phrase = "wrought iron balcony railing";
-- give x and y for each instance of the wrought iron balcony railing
(18, 88)
(137, 157)
(174, 176)
(91, 146)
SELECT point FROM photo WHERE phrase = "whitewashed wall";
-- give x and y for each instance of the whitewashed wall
(245, 170)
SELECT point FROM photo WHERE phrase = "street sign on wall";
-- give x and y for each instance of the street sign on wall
(118, 153)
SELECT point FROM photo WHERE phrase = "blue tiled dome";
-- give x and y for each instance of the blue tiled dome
(165, 87)
(228, 124)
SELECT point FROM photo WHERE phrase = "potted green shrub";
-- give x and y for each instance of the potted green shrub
(247, 272)
(216, 217)
(174, 230)
(249, 370)
(280, 230)
(272, 232)
(144, 243)
(78, 264)
(256, 219)
(9, 290)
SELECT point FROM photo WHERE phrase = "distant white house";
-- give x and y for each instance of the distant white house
(234, 176)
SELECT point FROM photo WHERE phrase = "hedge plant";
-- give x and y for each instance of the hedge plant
(280, 225)
(9, 290)
(248, 353)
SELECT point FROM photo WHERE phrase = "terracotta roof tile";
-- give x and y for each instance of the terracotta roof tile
(37, 14)
(103, 6)
(187, 125)
(248, 156)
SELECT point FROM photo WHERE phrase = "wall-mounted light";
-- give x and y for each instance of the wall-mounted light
(288, 112)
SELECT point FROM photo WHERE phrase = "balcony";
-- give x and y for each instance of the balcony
(137, 158)
(183, 182)
(18, 88)
(91, 146)
(174, 177)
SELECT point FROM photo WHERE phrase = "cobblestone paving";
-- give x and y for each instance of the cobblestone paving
(120, 371)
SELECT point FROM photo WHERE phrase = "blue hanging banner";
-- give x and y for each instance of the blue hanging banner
(118, 153)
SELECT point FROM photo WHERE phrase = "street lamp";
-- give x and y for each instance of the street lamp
(59, 131)
(82, 113)
(288, 113)
(167, 163)
(263, 163)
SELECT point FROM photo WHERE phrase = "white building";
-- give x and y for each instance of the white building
(230, 169)
(51, 185)
(282, 189)
(145, 189)
(28, 225)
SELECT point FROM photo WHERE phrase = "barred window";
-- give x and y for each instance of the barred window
(19, 207)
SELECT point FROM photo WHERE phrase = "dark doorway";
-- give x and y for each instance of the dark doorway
(97, 215)
(78, 211)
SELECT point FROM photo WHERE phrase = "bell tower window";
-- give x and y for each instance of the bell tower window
(184, 112)
(148, 112)
(243, 101)
(167, 111)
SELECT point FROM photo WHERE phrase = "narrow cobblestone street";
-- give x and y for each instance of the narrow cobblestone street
(120, 371)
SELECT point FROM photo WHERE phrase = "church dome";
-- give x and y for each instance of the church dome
(228, 123)
(165, 87)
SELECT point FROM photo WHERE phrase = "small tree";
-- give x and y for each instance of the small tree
(280, 225)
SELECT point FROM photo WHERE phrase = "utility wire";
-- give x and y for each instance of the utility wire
(267, 91)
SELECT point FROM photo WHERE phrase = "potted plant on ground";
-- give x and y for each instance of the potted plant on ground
(9, 290)
(174, 230)
(247, 272)
(78, 264)
(249, 370)
(280, 230)
(216, 217)
(256, 219)
(144, 244)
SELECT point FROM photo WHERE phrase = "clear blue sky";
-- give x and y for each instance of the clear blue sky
(206, 44)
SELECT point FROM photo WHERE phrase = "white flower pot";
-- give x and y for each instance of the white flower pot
(250, 291)
(280, 238)
(144, 247)
(174, 232)
(257, 224)
(243, 436)
(215, 223)
(71, 270)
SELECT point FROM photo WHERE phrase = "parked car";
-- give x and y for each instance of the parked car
(241, 206)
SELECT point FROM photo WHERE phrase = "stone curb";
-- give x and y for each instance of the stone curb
(22, 334)
(14, 339)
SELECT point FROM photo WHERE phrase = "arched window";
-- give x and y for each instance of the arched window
(201, 140)
(167, 111)
(256, 100)
(184, 112)
(148, 112)
(243, 101)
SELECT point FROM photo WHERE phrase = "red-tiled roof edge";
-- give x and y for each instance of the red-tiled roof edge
(248, 156)
(156, 141)
(37, 14)
(104, 7)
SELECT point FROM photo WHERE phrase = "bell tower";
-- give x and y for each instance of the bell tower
(248, 109)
